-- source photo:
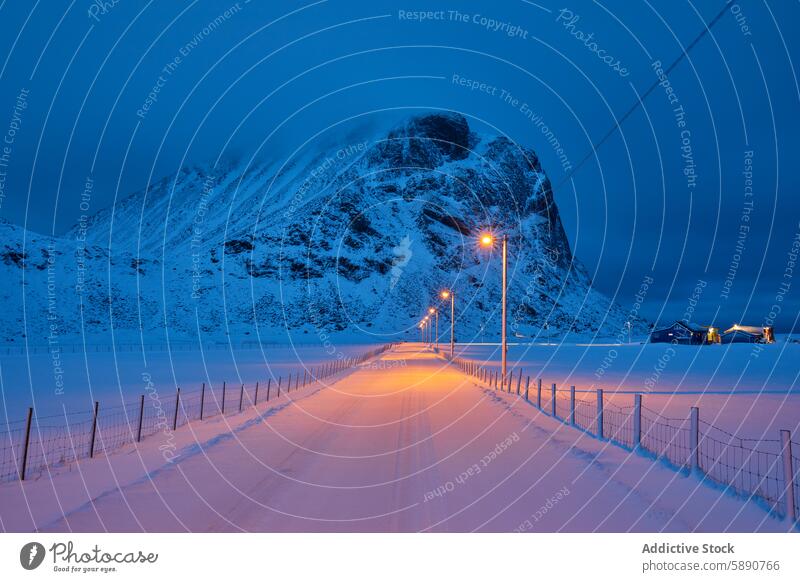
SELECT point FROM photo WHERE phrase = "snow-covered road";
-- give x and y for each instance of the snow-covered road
(406, 443)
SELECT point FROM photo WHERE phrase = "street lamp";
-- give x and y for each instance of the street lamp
(449, 294)
(434, 311)
(487, 240)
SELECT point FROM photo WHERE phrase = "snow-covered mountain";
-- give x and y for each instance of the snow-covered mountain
(361, 235)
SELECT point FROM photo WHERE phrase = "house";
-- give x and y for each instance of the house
(748, 334)
(684, 332)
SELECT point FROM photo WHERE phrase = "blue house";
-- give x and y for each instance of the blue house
(683, 332)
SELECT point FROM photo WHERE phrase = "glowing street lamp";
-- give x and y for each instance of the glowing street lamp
(487, 240)
(449, 294)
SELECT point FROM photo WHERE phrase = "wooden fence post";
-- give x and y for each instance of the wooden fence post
(269, 383)
(255, 398)
(572, 405)
(241, 397)
(141, 418)
(553, 400)
(539, 393)
(788, 472)
(694, 438)
(223, 397)
(527, 385)
(637, 420)
(279, 386)
(24, 466)
(519, 381)
(202, 400)
(94, 429)
(175, 416)
(599, 413)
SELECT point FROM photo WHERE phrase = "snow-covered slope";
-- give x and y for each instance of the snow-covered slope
(356, 236)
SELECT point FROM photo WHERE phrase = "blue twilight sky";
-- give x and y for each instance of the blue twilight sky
(85, 70)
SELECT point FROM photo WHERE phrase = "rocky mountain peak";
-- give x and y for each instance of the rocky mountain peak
(357, 238)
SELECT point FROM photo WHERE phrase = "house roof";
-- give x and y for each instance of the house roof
(694, 327)
(751, 329)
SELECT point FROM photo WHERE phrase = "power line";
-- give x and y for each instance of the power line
(644, 95)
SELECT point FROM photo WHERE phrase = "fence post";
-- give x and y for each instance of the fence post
(241, 397)
(572, 405)
(202, 399)
(94, 429)
(510, 381)
(175, 417)
(279, 385)
(255, 398)
(694, 438)
(553, 400)
(269, 383)
(527, 385)
(539, 393)
(223, 397)
(637, 420)
(27, 445)
(141, 418)
(599, 413)
(519, 381)
(788, 472)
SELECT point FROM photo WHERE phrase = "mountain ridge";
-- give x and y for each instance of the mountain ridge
(361, 237)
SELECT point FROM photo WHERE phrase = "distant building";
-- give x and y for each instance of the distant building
(747, 334)
(682, 332)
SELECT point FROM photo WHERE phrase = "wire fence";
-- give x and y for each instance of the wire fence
(38, 444)
(796, 480)
(147, 347)
(766, 469)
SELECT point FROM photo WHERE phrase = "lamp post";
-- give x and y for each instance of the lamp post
(435, 312)
(487, 240)
(449, 294)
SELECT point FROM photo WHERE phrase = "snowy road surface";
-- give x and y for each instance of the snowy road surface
(406, 443)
